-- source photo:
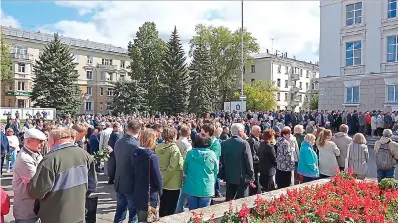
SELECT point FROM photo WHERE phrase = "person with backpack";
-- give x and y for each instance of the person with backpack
(386, 152)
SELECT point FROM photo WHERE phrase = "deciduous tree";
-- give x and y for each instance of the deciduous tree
(314, 101)
(225, 55)
(260, 95)
(6, 75)
(55, 84)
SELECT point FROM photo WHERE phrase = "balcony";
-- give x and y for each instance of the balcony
(293, 103)
(389, 67)
(294, 77)
(352, 70)
(109, 67)
(23, 58)
(294, 89)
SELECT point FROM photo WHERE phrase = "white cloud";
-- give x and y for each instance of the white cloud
(8, 20)
(294, 24)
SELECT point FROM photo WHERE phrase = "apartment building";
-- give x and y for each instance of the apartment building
(294, 78)
(358, 55)
(98, 65)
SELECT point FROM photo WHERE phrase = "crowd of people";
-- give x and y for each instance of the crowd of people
(161, 164)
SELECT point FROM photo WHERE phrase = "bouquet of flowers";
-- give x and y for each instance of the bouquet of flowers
(102, 155)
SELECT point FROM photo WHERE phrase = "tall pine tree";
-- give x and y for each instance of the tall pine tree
(146, 53)
(128, 97)
(200, 73)
(55, 82)
(175, 79)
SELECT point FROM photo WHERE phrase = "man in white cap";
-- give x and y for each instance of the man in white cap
(24, 169)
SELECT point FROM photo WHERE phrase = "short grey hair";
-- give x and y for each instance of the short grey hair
(343, 128)
(236, 128)
(256, 127)
(387, 133)
(298, 129)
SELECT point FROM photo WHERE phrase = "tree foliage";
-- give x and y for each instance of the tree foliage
(55, 82)
(146, 53)
(6, 74)
(225, 55)
(200, 78)
(128, 97)
(314, 101)
(174, 82)
(260, 95)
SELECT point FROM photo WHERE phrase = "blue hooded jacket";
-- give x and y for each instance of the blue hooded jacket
(5, 146)
(308, 161)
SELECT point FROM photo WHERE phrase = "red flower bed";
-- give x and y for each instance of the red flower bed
(343, 199)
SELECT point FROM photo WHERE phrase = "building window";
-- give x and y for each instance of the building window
(306, 86)
(110, 77)
(392, 49)
(278, 96)
(122, 63)
(353, 14)
(301, 72)
(21, 86)
(301, 85)
(89, 91)
(101, 106)
(307, 74)
(286, 70)
(89, 59)
(244, 69)
(89, 74)
(279, 69)
(353, 53)
(103, 74)
(392, 8)
(253, 80)
(88, 106)
(10, 87)
(285, 96)
(392, 94)
(106, 61)
(122, 77)
(286, 84)
(110, 91)
(9, 103)
(352, 95)
(306, 98)
(253, 69)
(23, 50)
(101, 91)
(278, 82)
(21, 67)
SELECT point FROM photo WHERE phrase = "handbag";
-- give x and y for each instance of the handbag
(153, 212)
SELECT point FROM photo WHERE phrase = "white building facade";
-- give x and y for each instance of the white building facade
(358, 55)
(98, 65)
(293, 78)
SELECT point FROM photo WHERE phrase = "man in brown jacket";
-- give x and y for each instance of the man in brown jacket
(342, 141)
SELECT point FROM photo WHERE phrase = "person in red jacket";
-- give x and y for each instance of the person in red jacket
(5, 204)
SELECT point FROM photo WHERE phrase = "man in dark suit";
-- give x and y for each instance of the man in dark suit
(236, 164)
(124, 177)
(254, 142)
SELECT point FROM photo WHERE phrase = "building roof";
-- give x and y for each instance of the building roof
(45, 37)
(282, 56)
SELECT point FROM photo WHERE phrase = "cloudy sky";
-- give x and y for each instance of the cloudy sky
(294, 25)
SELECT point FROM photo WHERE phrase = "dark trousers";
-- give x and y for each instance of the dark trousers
(2, 163)
(308, 179)
(236, 191)
(284, 178)
(267, 183)
(111, 167)
(257, 190)
(168, 202)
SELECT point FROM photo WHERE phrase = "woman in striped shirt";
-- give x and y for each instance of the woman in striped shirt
(358, 156)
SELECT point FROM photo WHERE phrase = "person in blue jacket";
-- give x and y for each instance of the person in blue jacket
(308, 160)
(201, 169)
(5, 147)
(147, 175)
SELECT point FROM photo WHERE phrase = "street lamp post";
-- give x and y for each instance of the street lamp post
(242, 97)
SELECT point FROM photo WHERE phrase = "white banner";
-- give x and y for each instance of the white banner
(239, 106)
(24, 113)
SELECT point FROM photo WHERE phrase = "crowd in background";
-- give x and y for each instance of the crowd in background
(170, 162)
